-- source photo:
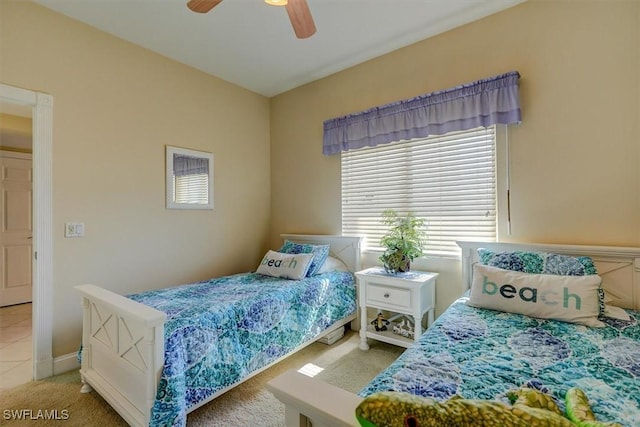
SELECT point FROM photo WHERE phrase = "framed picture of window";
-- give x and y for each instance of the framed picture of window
(189, 178)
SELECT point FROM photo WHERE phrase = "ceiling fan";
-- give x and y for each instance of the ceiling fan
(298, 11)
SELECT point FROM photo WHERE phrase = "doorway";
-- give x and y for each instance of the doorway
(16, 212)
(41, 106)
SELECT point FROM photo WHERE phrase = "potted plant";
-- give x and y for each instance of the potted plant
(403, 241)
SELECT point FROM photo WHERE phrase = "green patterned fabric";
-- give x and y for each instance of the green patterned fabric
(538, 262)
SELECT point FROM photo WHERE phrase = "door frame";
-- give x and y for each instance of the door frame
(42, 272)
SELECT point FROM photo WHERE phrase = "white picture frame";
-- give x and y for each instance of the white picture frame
(189, 178)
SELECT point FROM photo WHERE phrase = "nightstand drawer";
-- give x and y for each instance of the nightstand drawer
(387, 295)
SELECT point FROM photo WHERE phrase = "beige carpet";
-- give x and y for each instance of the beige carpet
(249, 404)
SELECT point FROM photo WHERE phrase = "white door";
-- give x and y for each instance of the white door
(16, 208)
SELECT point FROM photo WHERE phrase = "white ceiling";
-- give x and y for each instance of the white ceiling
(252, 44)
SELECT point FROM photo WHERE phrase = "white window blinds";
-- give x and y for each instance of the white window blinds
(192, 188)
(449, 180)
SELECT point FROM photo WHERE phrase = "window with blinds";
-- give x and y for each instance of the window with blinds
(192, 188)
(448, 180)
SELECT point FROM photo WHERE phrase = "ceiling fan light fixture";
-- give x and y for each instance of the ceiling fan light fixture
(277, 2)
(202, 6)
(298, 11)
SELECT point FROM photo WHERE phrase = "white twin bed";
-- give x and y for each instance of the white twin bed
(128, 353)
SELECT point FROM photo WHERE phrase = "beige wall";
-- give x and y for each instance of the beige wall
(15, 133)
(574, 159)
(10, 122)
(116, 106)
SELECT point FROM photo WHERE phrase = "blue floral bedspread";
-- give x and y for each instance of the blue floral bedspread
(481, 354)
(219, 331)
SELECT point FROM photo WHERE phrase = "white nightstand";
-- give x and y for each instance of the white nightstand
(408, 295)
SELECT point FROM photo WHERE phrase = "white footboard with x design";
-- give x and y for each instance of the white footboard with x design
(122, 351)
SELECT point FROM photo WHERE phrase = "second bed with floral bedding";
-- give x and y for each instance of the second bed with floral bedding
(531, 319)
(482, 354)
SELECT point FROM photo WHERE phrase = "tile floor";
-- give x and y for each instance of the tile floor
(15, 345)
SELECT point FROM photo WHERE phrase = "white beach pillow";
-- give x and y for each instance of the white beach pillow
(571, 299)
(287, 266)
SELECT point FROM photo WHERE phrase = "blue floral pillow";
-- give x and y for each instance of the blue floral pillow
(538, 262)
(320, 253)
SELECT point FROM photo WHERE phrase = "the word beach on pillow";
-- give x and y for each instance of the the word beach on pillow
(567, 298)
(288, 266)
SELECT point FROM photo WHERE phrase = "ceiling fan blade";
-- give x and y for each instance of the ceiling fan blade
(202, 6)
(301, 19)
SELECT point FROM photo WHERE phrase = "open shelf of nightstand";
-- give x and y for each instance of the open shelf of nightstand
(389, 337)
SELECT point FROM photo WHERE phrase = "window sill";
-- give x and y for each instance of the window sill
(377, 252)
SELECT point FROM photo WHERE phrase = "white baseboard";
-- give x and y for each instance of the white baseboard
(42, 369)
(65, 363)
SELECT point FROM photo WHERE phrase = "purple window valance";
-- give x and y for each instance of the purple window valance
(187, 165)
(486, 102)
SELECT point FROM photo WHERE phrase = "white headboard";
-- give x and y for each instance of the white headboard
(347, 249)
(619, 267)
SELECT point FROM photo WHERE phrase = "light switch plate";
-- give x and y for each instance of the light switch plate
(74, 229)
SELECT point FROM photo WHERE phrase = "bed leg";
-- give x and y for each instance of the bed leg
(308, 401)
(293, 418)
(86, 388)
(363, 329)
